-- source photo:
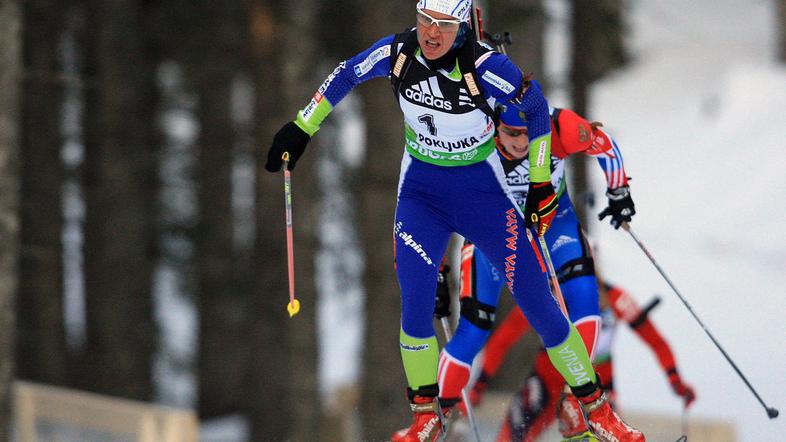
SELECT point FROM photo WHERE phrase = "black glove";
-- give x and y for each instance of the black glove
(620, 207)
(442, 307)
(541, 206)
(289, 138)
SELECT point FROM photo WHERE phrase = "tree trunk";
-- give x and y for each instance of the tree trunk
(284, 402)
(41, 343)
(213, 60)
(597, 32)
(120, 189)
(384, 407)
(10, 85)
(338, 202)
(780, 5)
(270, 398)
(525, 20)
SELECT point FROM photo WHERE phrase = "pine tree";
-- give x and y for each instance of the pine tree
(120, 192)
(384, 406)
(41, 343)
(283, 355)
(10, 85)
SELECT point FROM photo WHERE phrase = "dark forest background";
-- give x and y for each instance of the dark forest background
(99, 179)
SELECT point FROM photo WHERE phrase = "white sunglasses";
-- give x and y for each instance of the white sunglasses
(444, 25)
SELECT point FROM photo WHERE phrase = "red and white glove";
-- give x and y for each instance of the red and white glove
(682, 389)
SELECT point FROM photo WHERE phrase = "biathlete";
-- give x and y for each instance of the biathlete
(452, 180)
(572, 258)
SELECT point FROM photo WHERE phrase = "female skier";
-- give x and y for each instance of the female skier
(452, 181)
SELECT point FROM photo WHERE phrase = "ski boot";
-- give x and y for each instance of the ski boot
(428, 420)
(605, 424)
(479, 389)
(572, 424)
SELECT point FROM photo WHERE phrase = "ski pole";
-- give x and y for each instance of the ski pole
(464, 396)
(477, 21)
(685, 421)
(772, 413)
(294, 305)
(556, 290)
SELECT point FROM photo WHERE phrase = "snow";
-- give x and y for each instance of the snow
(700, 118)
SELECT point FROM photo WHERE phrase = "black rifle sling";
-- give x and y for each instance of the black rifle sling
(469, 76)
(403, 59)
(466, 61)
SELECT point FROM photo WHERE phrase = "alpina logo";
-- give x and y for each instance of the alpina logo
(409, 242)
(425, 433)
(600, 431)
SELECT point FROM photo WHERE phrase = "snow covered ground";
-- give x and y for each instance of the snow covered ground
(700, 115)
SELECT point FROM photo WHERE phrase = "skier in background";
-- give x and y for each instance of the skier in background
(452, 181)
(481, 282)
(532, 409)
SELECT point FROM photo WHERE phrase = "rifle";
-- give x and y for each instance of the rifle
(497, 40)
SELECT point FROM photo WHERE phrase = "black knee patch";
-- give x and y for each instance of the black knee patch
(584, 266)
(424, 391)
(479, 314)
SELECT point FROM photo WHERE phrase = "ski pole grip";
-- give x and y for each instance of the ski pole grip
(651, 305)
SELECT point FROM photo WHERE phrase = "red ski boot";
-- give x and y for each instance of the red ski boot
(427, 421)
(570, 417)
(604, 422)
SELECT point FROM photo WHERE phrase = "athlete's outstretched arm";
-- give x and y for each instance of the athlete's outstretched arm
(294, 136)
(578, 135)
(624, 307)
(372, 63)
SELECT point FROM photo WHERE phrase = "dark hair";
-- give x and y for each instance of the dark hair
(461, 35)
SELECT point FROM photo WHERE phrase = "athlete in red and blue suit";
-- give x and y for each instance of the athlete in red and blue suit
(532, 409)
(572, 258)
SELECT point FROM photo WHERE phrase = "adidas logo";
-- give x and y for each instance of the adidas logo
(427, 92)
(464, 98)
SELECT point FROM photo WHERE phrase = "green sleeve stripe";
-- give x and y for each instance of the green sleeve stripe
(540, 159)
(310, 118)
(421, 358)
